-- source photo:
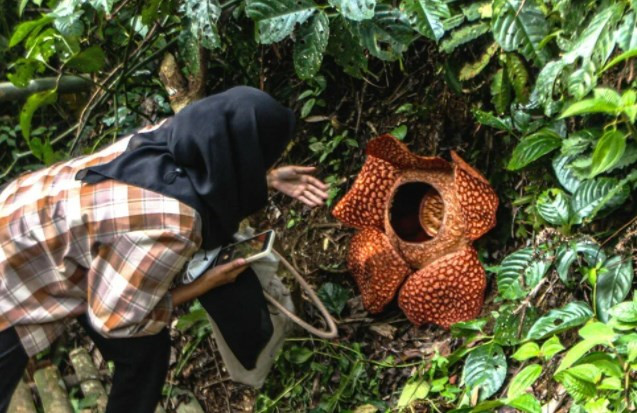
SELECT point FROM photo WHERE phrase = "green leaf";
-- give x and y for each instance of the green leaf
(345, 49)
(276, 19)
(310, 45)
(473, 69)
(613, 285)
(387, 35)
(622, 57)
(489, 119)
(399, 132)
(33, 103)
(594, 37)
(298, 355)
(578, 389)
(625, 312)
(511, 273)
(577, 351)
(518, 76)
(523, 380)
(477, 10)
(589, 106)
(586, 372)
(500, 91)
(334, 297)
(416, 389)
(355, 9)
(551, 347)
(591, 196)
(571, 315)
(24, 69)
(582, 80)
(608, 151)
(463, 35)
(626, 33)
(202, 17)
(525, 403)
(426, 16)
(485, 368)
(553, 206)
(544, 86)
(526, 351)
(22, 30)
(534, 147)
(565, 174)
(520, 26)
(88, 60)
(567, 253)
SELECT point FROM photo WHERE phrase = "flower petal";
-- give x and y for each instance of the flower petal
(449, 290)
(478, 200)
(392, 150)
(364, 204)
(377, 268)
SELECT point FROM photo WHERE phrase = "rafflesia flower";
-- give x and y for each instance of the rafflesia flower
(417, 218)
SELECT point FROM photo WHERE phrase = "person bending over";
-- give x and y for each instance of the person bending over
(102, 237)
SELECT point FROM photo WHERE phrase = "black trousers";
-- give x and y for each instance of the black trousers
(141, 365)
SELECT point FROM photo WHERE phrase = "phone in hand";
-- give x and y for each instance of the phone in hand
(251, 249)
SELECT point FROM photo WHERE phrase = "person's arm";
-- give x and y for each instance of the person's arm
(213, 278)
(298, 183)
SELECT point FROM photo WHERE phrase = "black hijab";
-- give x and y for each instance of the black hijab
(213, 156)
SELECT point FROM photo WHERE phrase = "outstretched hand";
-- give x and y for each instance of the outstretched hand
(298, 183)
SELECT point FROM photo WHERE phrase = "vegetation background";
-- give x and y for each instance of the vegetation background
(538, 94)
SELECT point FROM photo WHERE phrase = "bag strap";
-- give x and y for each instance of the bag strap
(332, 331)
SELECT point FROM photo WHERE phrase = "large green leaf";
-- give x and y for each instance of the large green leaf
(613, 284)
(276, 18)
(310, 45)
(534, 147)
(33, 103)
(485, 367)
(591, 196)
(596, 36)
(520, 26)
(519, 272)
(579, 389)
(415, 389)
(463, 35)
(387, 35)
(567, 254)
(345, 49)
(571, 315)
(605, 101)
(26, 28)
(426, 16)
(627, 32)
(553, 206)
(518, 75)
(202, 17)
(523, 380)
(88, 60)
(501, 91)
(608, 151)
(582, 81)
(355, 9)
(526, 403)
(545, 84)
(565, 174)
(473, 69)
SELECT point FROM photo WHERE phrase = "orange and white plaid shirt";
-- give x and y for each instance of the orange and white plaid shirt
(110, 250)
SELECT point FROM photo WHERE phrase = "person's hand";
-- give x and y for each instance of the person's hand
(298, 183)
(224, 274)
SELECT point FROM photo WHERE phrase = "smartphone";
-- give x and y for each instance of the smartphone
(251, 249)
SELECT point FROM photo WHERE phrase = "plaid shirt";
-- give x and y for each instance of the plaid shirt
(109, 250)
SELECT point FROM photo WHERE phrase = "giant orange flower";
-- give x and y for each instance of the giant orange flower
(418, 217)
